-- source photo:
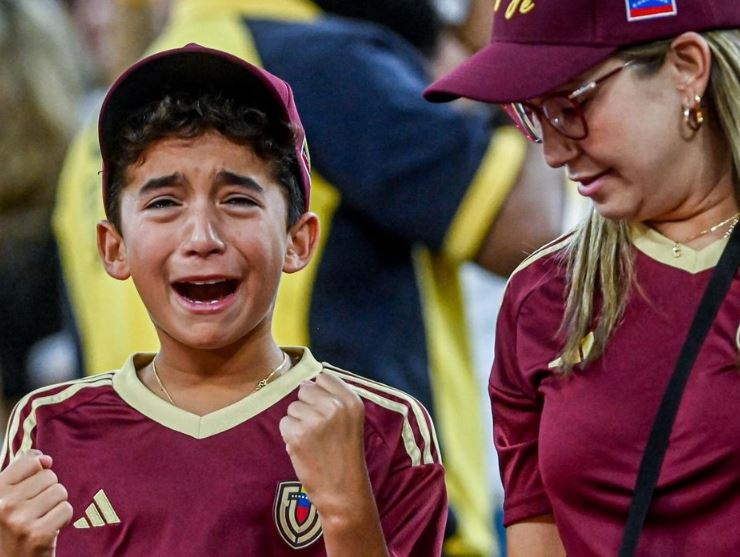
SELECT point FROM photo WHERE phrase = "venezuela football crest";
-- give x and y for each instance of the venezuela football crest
(295, 516)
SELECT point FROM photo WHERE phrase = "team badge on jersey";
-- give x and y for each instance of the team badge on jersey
(296, 518)
(638, 10)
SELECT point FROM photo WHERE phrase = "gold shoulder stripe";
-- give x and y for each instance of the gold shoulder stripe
(420, 413)
(551, 247)
(429, 436)
(72, 388)
(13, 420)
(7, 441)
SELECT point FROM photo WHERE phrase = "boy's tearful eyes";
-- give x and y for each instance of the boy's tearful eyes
(206, 291)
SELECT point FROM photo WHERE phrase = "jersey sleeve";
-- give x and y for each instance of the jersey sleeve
(516, 407)
(405, 469)
(18, 436)
(413, 509)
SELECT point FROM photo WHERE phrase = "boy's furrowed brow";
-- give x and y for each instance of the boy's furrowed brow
(231, 178)
(154, 184)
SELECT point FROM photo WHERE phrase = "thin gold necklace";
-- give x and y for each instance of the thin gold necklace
(283, 366)
(733, 220)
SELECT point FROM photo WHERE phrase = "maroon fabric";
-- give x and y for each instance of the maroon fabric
(572, 446)
(180, 496)
(194, 67)
(539, 45)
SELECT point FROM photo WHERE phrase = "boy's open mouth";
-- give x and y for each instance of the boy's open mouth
(206, 292)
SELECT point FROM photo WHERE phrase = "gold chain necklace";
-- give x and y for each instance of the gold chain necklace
(283, 366)
(733, 220)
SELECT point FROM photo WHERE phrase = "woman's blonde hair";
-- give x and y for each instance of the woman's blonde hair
(599, 255)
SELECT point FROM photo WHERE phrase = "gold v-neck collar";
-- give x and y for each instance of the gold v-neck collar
(660, 248)
(130, 388)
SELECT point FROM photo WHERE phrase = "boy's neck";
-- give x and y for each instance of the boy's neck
(203, 381)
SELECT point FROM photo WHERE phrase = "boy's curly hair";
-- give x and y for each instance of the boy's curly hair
(188, 116)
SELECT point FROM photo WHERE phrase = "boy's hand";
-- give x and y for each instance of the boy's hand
(33, 507)
(324, 436)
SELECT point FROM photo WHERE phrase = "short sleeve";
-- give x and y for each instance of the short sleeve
(415, 514)
(404, 466)
(412, 502)
(516, 407)
(17, 437)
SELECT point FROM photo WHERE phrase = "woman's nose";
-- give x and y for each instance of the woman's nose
(558, 149)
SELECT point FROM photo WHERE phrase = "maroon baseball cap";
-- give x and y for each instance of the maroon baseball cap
(194, 68)
(539, 45)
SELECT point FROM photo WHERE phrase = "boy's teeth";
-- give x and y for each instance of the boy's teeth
(208, 291)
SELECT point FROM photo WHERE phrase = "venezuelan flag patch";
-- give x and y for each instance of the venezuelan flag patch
(638, 10)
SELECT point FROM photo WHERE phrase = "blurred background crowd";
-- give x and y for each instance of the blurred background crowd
(58, 58)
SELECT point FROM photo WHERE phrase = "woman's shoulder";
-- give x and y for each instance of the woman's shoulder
(544, 270)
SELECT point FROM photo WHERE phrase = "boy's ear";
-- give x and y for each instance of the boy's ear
(303, 238)
(112, 250)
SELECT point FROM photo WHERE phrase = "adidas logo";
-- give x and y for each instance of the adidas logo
(99, 513)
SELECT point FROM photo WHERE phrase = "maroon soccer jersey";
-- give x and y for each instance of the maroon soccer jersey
(148, 479)
(572, 446)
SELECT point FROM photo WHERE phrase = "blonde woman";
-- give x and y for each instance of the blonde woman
(640, 102)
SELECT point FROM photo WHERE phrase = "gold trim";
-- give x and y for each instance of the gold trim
(130, 388)
(29, 423)
(412, 447)
(656, 246)
(555, 245)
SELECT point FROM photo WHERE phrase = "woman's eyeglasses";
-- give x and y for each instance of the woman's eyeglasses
(562, 110)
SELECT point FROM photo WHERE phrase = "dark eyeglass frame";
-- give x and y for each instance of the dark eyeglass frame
(518, 110)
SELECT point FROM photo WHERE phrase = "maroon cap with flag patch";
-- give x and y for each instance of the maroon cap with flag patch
(194, 68)
(538, 45)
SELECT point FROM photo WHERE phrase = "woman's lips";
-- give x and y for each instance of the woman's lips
(589, 186)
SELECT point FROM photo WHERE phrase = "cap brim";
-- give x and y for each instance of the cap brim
(505, 71)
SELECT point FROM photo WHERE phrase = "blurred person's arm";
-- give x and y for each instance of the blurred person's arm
(475, 30)
(531, 215)
(535, 537)
(429, 174)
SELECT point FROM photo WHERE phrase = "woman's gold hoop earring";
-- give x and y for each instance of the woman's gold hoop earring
(693, 115)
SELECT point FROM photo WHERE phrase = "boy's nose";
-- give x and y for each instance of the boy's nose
(203, 236)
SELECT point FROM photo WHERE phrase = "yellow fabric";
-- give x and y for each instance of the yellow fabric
(458, 414)
(110, 316)
(493, 181)
(284, 10)
(653, 244)
(290, 320)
